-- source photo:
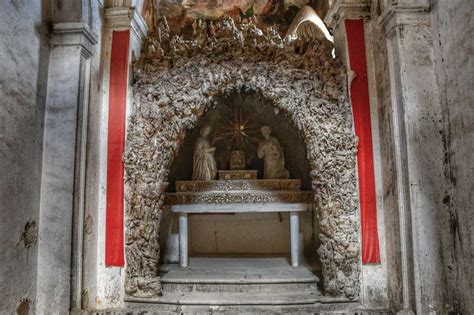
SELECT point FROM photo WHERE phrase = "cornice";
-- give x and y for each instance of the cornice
(347, 10)
(126, 18)
(396, 16)
(74, 34)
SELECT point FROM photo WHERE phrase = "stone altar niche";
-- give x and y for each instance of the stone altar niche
(258, 113)
(174, 87)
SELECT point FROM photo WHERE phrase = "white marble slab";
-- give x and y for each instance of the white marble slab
(240, 207)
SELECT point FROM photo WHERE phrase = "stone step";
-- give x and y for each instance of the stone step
(241, 185)
(235, 298)
(239, 275)
(243, 287)
(173, 309)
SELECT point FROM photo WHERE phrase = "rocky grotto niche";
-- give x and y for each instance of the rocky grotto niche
(259, 113)
(255, 233)
(176, 81)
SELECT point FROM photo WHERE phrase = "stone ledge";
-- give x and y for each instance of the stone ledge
(242, 185)
(256, 196)
(208, 208)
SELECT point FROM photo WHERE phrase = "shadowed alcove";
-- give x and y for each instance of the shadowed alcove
(244, 234)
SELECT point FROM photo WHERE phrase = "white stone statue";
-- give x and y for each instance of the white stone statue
(204, 163)
(271, 151)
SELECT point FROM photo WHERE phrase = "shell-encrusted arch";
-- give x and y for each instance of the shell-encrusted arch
(169, 103)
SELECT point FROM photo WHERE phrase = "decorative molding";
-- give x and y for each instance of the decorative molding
(229, 185)
(127, 18)
(237, 174)
(347, 9)
(119, 3)
(396, 16)
(275, 196)
(75, 34)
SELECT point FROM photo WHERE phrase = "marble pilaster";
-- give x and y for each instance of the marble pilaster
(416, 121)
(105, 284)
(63, 162)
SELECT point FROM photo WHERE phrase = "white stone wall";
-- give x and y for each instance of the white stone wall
(24, 58)
(426, 68)
(452, 29)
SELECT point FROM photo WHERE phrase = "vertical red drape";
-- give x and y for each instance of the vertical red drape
(365, 159)
(114, 245)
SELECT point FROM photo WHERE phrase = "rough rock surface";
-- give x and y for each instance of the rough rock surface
(175, 82)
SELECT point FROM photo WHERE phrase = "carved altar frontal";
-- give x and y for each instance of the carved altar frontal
(239, 191)
(225, 185)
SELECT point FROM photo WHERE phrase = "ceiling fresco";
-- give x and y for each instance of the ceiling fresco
(180, 13)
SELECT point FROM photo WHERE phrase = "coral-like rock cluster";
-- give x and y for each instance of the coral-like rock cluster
(175, 81)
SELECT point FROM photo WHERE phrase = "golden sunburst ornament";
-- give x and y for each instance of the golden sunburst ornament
(237, 131)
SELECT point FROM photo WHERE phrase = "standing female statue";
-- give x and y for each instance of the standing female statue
(204, 163)
(272, 153)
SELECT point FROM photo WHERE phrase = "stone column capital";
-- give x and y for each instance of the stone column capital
(399, 15)
(75, 34)
(122, 18)
(347, 9)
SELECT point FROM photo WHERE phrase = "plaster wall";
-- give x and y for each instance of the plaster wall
(417, 157)
(24, 59)
(432, 57)
(452, 27)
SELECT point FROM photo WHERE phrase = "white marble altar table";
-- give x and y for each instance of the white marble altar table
(238, 196)
(293, 208)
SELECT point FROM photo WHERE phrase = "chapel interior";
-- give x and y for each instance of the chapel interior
(236, 157)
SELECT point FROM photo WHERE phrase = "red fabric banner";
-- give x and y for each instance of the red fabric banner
(114, 245)
(365, 160)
